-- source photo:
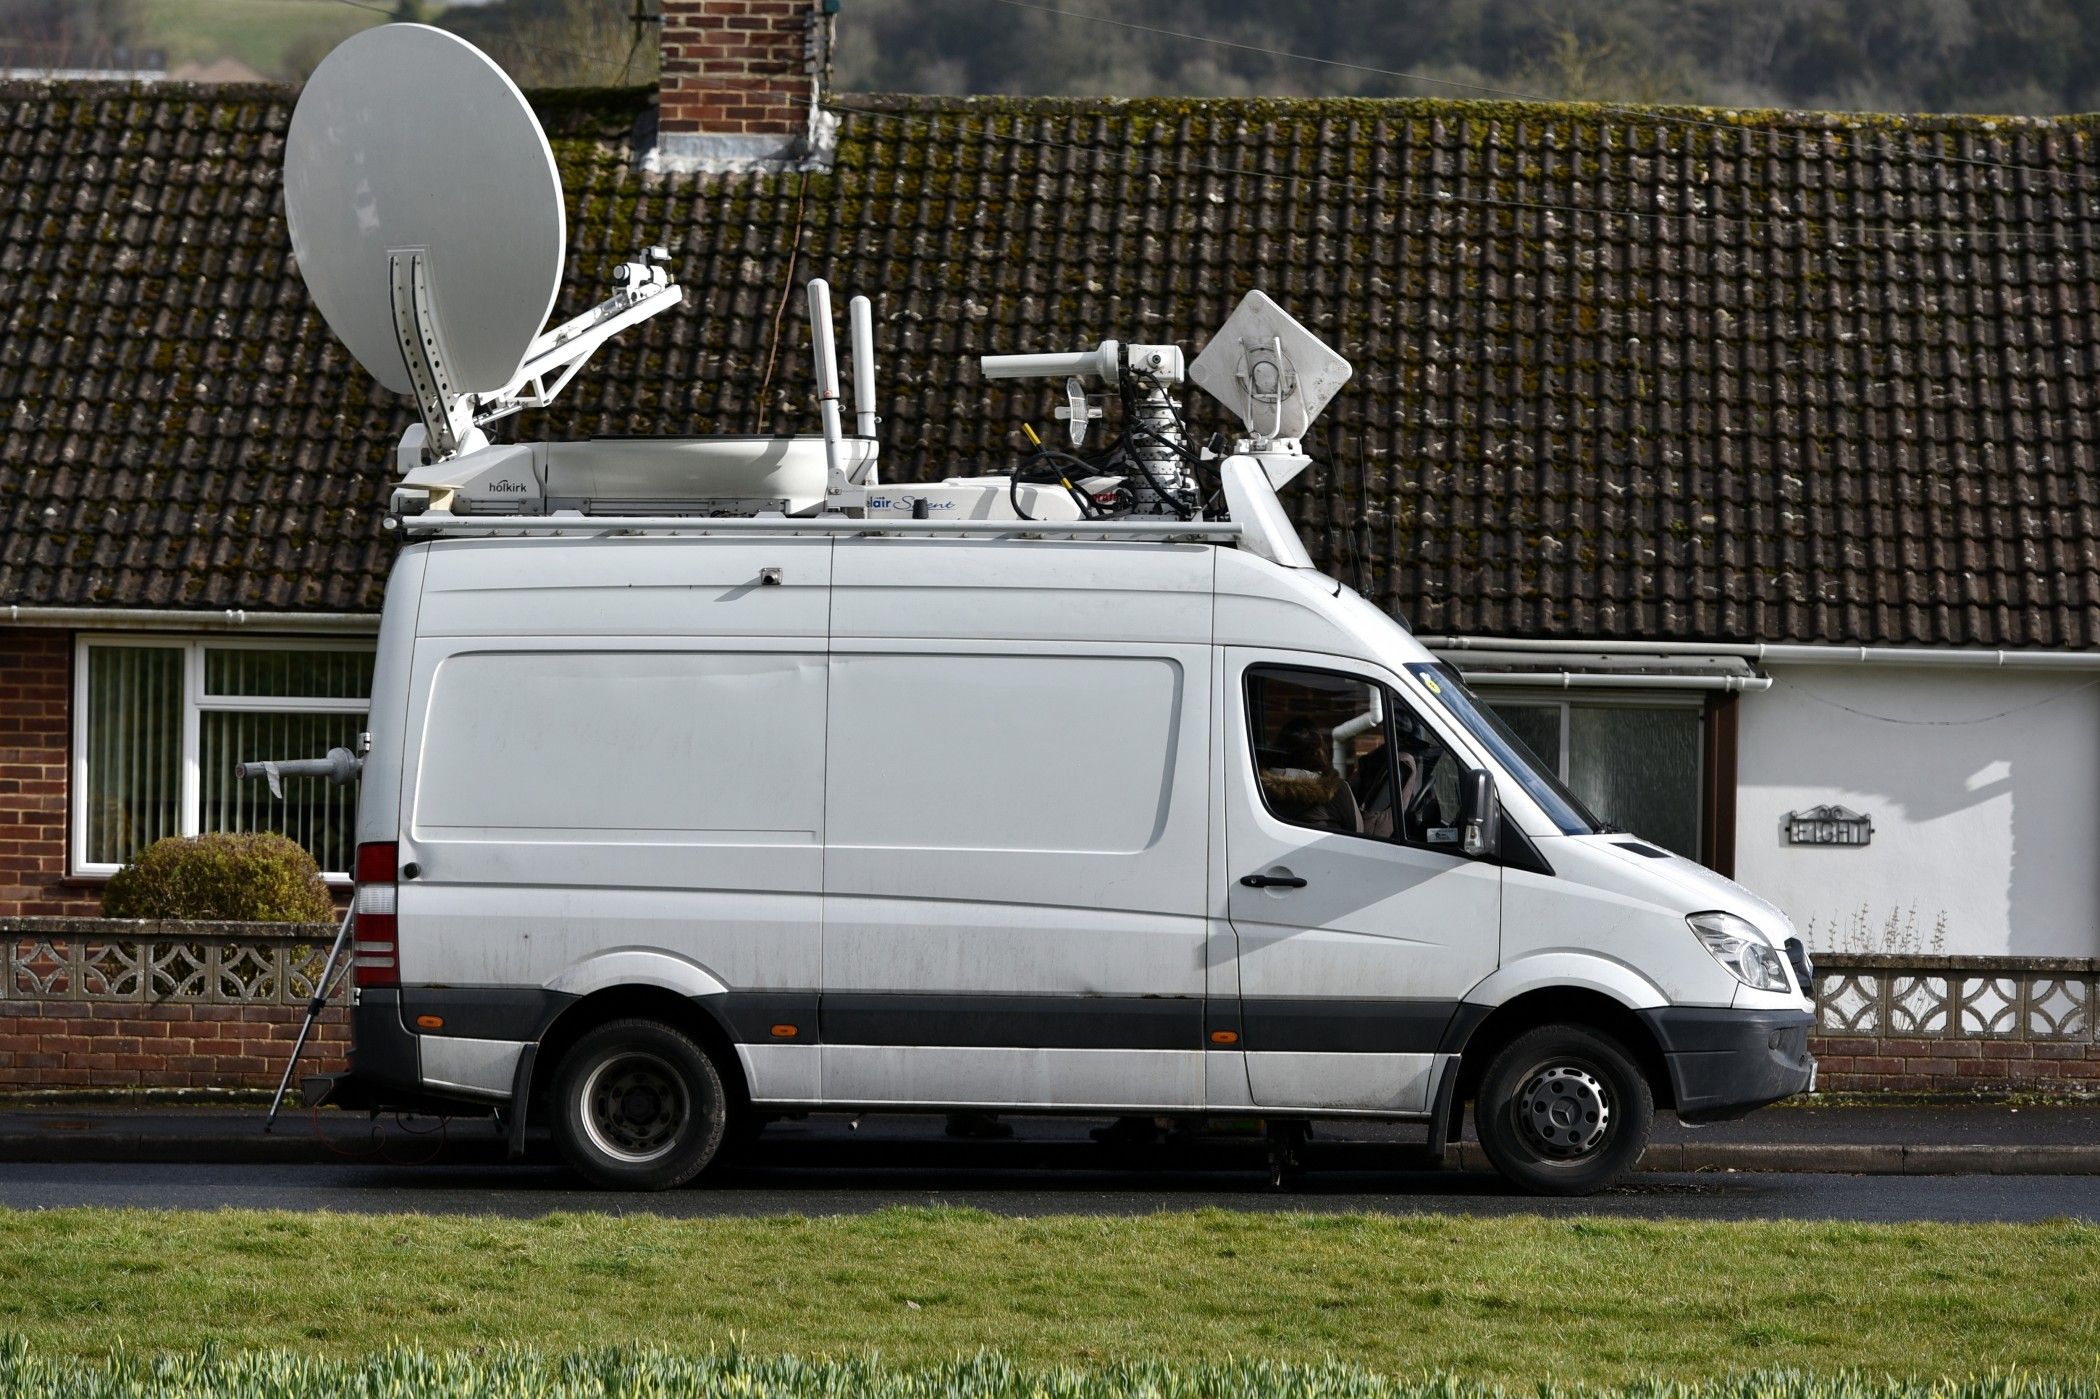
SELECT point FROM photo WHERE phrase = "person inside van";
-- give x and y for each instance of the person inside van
(1303, 786)
(1373, 783)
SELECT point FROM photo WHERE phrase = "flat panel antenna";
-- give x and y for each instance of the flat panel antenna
(1273, 373)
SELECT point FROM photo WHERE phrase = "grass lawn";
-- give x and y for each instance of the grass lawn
(1518, 1301)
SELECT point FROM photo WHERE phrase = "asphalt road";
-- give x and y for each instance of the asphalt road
(824, 1170)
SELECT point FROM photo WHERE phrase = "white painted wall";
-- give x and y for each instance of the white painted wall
(1986, 829)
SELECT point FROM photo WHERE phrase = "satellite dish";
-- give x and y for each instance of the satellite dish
(415, 171)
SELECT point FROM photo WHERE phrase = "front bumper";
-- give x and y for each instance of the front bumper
(1724, 1063)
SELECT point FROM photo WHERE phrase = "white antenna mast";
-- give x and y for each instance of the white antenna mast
(827, 355)
(860, 317)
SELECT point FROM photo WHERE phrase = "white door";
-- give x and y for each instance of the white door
(1359, 923)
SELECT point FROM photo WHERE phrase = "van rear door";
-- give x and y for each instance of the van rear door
(1359, 922)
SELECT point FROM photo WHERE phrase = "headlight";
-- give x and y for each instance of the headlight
(1740, 947)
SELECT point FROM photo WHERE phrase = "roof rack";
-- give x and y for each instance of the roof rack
(443, 523)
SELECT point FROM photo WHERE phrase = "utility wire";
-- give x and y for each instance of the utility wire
(511, 38)
(1486, 89)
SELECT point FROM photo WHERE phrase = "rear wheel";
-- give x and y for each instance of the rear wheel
(1564, 1110)
(638, 1105)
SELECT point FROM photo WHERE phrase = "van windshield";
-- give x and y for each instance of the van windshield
(1561, 806)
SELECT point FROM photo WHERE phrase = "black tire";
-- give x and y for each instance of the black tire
(638, 1106)
(1564, 1110)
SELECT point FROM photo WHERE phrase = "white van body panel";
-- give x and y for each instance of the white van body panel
(1605, 905)
(379, 783)
(594, 799)
(1021, 591)
(626, 587)
(1047, 867)
(483, 1068)
(1547, 971)
(946, 823)
(636, 966)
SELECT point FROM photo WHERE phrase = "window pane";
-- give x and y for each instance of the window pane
(134, 749)
(233, 670)
(1639, 770)
(1319, 750)
(315, 812)
(1539, 726)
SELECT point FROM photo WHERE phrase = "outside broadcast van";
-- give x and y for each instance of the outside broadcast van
(657, 834)
(715, 778)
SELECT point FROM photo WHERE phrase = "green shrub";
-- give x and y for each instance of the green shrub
(257, 876)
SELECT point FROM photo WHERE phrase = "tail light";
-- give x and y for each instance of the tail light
(375, 953)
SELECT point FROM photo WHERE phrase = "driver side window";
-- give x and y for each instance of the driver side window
(1337, 753)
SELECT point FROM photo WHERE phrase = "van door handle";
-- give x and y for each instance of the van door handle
(1272, 881)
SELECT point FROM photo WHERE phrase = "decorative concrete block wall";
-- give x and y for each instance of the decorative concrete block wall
(1911, 1022)
(119, 1003)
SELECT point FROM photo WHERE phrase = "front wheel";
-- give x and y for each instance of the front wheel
(1564, 1110)
(638, 1106)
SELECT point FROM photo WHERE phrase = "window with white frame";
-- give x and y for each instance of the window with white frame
(159, 722)
(1637, 763)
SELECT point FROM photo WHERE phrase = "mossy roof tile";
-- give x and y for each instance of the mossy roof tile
(1628, 374)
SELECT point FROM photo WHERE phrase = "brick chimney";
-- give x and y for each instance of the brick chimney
(740, 83)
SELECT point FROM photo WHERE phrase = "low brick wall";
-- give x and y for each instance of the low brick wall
(1911, 1023)
(121, 1003)
(109, 1003)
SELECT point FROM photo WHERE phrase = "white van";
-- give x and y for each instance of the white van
(715, 778)
(661, 833)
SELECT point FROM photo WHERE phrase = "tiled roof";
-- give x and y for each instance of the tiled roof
(1821, 378)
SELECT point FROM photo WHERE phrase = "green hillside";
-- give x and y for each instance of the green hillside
(281, 39)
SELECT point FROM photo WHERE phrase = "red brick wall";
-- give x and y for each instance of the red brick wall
(68, 1044)
(1856, 1064)
(36, 688)
(735, 67)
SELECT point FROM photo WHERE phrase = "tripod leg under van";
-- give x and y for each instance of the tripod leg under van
(314, 1007)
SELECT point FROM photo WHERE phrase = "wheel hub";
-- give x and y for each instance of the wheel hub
(1565, 1111)
(634, 1107)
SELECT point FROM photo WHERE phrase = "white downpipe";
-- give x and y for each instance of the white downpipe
(1569, 680)
(1783, 653)
(155, 619)
(826, 349)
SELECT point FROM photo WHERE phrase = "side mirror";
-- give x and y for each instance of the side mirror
(1479, 813)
